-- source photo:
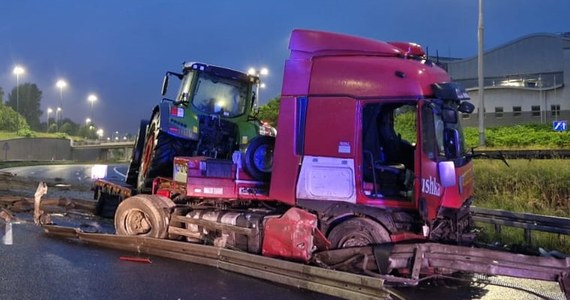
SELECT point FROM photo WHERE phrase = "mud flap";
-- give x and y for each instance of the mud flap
(382, 254)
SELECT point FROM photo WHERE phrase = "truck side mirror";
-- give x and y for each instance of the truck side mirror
(451, 143)
(446, 171)
(164, 85)
(466, 107)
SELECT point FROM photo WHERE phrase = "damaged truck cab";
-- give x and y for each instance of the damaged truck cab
(344, 172)
(339, 152)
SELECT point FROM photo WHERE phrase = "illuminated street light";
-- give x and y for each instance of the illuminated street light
(49, 111)
(258, 73)
(92, 98)
(18, 70)
(100, 133)
(61, 84)
(57, 113)
(87, 121)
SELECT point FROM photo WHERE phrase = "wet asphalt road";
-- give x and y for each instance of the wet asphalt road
(37, 266)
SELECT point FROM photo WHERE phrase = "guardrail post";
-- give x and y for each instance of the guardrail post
(527, 236)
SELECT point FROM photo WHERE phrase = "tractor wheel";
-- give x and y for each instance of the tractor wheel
(144, 215)
(158, 154)
(134, 165)
(258, 158)
(357, 232)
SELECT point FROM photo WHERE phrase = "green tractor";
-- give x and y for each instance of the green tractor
(211, 116)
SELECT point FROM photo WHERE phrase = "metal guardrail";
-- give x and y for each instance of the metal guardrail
(340, 284)
(526, 221)
(526, 154)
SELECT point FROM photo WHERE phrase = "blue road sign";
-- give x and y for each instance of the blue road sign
(560, 125)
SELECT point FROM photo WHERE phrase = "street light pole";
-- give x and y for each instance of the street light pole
(92, 98)
(49, 111)
(481, 78)
(61, 84)
(18, 70)
(56, 119)
(258, 73)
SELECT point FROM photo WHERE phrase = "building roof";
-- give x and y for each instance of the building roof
(532, 54)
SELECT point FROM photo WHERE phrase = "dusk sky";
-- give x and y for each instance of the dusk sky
(120, 49)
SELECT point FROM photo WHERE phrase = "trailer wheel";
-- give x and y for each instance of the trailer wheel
(158, 154)
(135, 162)
(144, 215)
(258, 158)
(357, 232)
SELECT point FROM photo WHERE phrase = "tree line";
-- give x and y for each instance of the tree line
(21, 112)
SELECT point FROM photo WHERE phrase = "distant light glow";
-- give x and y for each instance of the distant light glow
(92, 98)
(98, 171)
(61, 84)
(19, 70)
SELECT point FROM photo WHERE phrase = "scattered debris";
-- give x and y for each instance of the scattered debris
(136, 259)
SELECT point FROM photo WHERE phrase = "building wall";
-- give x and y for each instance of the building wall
(540, 62)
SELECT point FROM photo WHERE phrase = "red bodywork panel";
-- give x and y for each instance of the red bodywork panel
(455, 196)
(327, 128)
(291, 235)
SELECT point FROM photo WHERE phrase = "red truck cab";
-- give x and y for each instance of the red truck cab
(338, 152)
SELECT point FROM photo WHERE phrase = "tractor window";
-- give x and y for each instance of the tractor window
(214, 95)
(184, 91)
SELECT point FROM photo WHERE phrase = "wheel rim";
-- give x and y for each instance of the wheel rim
(263, 158)
(137, 223)
(355, 240)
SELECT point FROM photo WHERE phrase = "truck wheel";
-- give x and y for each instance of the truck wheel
(158, 154)
(144, 215)
(258, 158)
(357, 232)
(135, 162)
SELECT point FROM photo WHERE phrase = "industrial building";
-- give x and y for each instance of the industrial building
(526, 81)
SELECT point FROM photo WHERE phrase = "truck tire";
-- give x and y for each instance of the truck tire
(132, 173)
(258, 158)
(356, 232)
(144, 215)
(158, 154)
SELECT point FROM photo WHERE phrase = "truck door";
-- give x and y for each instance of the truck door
(431, 148)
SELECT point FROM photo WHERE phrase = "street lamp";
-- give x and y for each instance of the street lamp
(49, 111)
(87, 121)
(258, 73)
(57, 113)
(100, 133)
(61, 84)
(18, 70)
(92, 98)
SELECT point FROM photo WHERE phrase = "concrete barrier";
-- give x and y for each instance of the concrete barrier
(48, 149)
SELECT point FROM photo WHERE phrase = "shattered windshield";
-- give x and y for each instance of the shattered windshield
(214, 95)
